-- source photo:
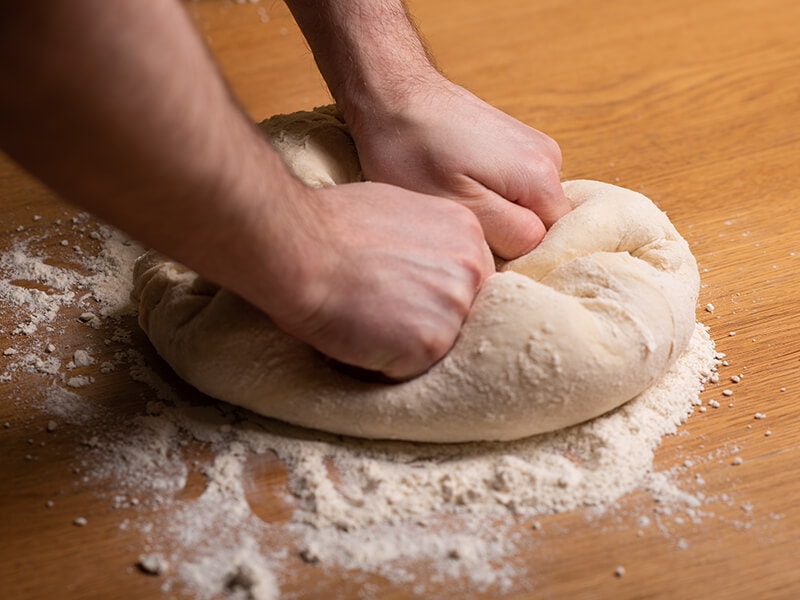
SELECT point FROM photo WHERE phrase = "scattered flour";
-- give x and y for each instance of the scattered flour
(67, 405)
(389, 508)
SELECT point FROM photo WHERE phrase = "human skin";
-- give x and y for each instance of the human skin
(415, 128)
(119, 108)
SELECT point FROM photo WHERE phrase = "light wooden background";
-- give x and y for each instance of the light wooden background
(696, 104)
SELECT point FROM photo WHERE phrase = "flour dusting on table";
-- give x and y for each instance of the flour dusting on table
(418, 514)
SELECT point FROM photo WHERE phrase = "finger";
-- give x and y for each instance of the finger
(432, 344)
(485, 263)
(540, 191)
(490, 267)
(510, 230)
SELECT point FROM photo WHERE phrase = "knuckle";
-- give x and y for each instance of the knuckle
(546, 149)
(544, 172)
(554, 151)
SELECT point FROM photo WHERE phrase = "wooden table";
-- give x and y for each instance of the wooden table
(696, 104)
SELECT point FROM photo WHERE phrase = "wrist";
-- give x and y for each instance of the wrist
(370, 53)
(368, 104)
(273, 255)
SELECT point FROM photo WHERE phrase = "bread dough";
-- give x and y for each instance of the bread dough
(585, 322)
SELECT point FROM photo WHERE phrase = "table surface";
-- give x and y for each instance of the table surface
(694, 104)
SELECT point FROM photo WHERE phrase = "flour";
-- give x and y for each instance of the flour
(67, 405)
(81, 358)
(420, 515)
(145, 460)
(352, 484)
(235, 562)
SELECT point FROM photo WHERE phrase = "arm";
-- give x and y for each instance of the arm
(416, 129)
(120, 109)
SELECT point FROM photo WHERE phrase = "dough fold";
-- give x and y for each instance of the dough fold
(582, 324)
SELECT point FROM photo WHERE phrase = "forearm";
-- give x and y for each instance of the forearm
(119, 108)
(368, 51)
(416, 129)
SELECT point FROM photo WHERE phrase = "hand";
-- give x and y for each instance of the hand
(395, 273)
(442, 140)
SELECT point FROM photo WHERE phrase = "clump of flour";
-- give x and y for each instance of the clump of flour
(390, 508)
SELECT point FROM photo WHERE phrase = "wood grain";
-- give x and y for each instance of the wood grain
(695, 104)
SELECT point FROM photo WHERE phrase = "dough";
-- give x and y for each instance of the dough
(585, 322)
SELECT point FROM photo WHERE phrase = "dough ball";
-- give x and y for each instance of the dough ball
(582, 324)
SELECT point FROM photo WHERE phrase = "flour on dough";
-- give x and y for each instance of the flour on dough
(582, 324)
